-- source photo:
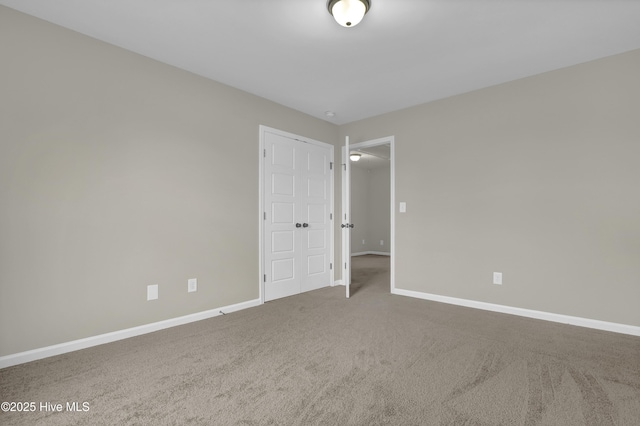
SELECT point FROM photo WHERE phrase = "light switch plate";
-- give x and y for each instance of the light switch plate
(403, 207)
(152, 292)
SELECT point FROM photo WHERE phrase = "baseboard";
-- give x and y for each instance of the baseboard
(377, 253)
(338, 282)
(547, 316)
(35, 354)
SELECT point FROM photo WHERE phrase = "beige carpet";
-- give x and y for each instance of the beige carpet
(318, 358)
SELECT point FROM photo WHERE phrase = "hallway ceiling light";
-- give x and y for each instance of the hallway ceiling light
(348, 13)
(355, 157)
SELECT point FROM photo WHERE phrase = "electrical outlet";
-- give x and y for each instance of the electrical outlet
(497, 278)
(381, 242)
(362, 242)
(192, 285)
(152, 292)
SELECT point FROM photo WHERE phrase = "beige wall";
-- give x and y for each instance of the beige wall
(117, 172)
(370, 198)
(359, 201)
(538, 179)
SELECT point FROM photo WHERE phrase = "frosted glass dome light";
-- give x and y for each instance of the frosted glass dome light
(348, 13)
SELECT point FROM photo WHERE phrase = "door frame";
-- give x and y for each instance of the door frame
(261, 212)
(392, 164)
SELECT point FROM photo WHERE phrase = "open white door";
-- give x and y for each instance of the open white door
(346, 216)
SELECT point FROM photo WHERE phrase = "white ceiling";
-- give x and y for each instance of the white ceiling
(372, 157)
(404, 53)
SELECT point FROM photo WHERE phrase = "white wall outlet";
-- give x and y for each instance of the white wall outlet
(362, 242)
(152, 292)
(381, 242)
(192, 285)
(497, 278)
(403, 207)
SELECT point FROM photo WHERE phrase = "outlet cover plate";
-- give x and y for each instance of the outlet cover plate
(497, 278)
(192, 285)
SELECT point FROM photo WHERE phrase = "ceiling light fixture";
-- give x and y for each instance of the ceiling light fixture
(354, 157)
(348, 13)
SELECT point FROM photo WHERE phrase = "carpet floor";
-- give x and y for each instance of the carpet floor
(318, 358)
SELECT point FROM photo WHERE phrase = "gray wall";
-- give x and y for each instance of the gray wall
(370, 210)
(538, 179)
(117, 172)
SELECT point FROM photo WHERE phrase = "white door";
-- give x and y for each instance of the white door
(315, 203)
(297, 207)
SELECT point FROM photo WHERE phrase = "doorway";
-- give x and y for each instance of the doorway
(371, 200)
(296, 217)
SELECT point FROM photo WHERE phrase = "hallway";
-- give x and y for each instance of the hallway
(370, 273)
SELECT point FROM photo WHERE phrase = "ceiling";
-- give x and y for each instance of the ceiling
(372, 157)
(404, 53)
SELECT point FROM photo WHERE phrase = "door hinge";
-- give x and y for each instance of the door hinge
(330, 265)
(331, 165)
(345, 265)
(265, 278)
(330, 216)
(265, 215)
(265, 153)
(345, 167)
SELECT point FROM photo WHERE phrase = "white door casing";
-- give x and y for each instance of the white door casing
(296, 218)
(346, 206)
(346, 224)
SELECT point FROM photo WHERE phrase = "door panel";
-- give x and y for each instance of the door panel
(282, 241)
(283, 184)
(316, 264)
(316, 214)
(316, 240)
(316, 204)
(282, 153)
(282, 212)
(317, 163)
(317, 188)
(280, 205)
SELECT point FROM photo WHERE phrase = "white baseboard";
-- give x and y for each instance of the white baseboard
(338, 282)
(378, 253)
(35, 354)
(547, 316)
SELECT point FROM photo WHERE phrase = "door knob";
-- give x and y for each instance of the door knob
(305, 225)
(298, 225)
(351, 225)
